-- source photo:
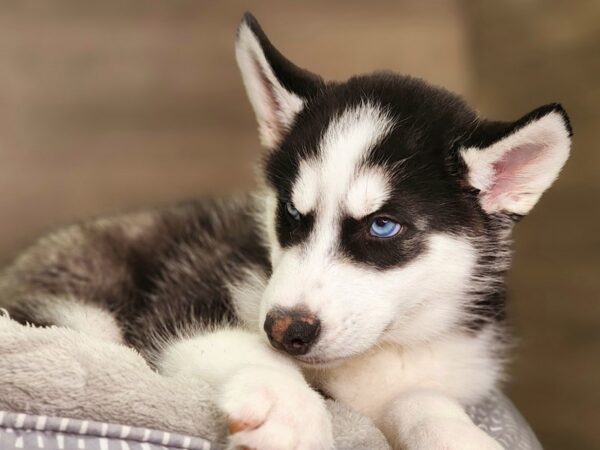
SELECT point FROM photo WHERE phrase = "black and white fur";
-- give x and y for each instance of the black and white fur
(412, 327)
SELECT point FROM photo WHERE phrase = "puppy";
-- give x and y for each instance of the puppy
(369, 266)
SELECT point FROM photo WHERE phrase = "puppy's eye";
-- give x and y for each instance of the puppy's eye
(382, 227)
(292, 212)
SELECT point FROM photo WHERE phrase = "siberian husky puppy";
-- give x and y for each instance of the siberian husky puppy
(370, 266)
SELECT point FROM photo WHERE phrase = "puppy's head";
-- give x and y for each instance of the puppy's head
(389, 203)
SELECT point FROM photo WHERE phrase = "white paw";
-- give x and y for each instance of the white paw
(272, 410)
(449, 434)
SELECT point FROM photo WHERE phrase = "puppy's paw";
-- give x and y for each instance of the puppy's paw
(449, 434)
(271, 410)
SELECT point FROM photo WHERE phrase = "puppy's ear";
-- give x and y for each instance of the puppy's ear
(278, 90)
(512, 164)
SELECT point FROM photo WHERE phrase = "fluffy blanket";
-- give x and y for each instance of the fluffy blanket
(61, 372)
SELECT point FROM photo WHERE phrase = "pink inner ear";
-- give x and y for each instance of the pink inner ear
(269, 91)
(510, 172)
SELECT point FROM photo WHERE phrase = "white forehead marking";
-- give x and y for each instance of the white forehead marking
(346, 142)
(306, 189)
(368, 192)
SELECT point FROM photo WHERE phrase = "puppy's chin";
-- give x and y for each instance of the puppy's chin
(322, 360)
(319, 363)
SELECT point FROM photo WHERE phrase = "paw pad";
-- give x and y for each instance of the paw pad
(235, 426)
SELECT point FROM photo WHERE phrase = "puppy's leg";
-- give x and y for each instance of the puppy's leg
(268, 403)
(425, 420)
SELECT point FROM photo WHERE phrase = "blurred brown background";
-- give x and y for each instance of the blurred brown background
(110, 105)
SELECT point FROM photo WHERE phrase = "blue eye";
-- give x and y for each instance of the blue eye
(292, 211)
(383, 227)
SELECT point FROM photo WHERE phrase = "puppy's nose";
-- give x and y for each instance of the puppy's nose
(292, 330)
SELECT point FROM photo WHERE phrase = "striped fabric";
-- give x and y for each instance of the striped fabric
(496, 415)
(29, 432)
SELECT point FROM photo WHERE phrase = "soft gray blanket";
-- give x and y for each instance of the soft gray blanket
(60, 372)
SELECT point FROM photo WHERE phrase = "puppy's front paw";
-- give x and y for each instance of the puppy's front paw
(270, 410)
(449, 434)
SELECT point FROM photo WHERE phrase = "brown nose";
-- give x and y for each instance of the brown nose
(293, 331)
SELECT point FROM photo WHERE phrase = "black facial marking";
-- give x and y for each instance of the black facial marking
(291, 231)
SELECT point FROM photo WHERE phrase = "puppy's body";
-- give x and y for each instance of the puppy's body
(153, 275)
(375, 255)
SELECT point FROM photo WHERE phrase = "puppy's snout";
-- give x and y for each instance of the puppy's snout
(293, 331)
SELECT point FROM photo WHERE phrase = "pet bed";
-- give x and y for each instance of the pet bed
(63, 390)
